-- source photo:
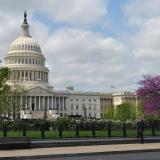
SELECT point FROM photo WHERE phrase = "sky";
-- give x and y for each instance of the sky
(89, 44)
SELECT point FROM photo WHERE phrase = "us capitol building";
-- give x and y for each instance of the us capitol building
(27, 64)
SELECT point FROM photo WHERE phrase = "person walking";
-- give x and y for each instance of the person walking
(141, 129)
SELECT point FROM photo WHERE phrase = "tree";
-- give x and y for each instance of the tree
(109, 113)
(4, 89)
(11, 101)
(16, 101)
(124, 111)
(149, 92)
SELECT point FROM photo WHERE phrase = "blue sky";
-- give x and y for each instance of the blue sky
(90, 44)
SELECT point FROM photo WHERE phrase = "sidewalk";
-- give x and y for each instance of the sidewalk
(79, 150)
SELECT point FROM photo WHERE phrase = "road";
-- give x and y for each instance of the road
(130, 156)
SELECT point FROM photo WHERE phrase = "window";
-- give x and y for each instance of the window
(77, 107)
(71, 99)
(76, 99)
(72, 106)
(83, 100)
(94, 99)
(89, 99)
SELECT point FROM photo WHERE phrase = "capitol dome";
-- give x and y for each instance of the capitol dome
(26, 61)
(24, 43)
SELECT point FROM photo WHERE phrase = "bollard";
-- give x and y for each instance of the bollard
(4, 130)
(24, 130)
(77, 131)
(42, 132)
(60, 132)
(124, 129)
(109, 129)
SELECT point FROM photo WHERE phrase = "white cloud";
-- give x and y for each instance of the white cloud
(77, 12)
(84, 58)
(139, 11)
(147, 40)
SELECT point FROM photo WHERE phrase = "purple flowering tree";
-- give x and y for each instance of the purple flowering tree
(149, 92)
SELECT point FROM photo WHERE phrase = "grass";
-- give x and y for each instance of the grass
(71, 134)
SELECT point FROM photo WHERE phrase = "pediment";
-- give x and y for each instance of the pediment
(38, 91)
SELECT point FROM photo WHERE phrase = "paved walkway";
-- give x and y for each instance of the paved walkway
(81, 150)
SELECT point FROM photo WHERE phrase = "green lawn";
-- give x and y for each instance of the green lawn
(71, 134)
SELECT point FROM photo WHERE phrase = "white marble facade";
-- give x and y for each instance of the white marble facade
(27, 65)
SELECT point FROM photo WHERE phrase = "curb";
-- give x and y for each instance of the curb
(83, 142)
(78, 154)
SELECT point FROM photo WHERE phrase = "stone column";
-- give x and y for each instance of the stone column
(28, 76)
(30, 103)
(48, 106)
(63, 103)
(55, 104)
(45, 76)
(59, 99)
(52, 103)
(39, 98)
(35, 105)
(40, 75)
(24, 73)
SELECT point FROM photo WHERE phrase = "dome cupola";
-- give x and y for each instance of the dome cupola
(24, 42)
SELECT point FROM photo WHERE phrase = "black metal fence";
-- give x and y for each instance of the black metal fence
(109, 127)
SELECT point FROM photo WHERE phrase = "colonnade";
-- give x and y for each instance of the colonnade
(29, 76)
(42, 103)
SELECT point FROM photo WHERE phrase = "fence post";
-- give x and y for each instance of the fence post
(77, 131)
(93, 131)
(24, 130)
(153, 128)
(4, 130)
(60, 132)
(109, 129)
(124, 129)
(42, 131)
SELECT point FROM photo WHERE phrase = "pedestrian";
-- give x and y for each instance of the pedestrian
(141, 129)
